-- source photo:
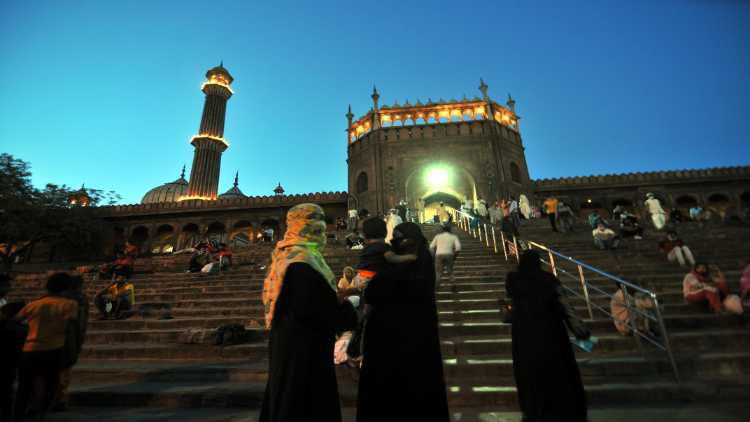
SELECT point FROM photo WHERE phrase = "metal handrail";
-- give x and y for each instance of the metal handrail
(510, 249)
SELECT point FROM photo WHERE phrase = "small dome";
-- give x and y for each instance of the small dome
(234, 192)
(168, 192)
(220, 71)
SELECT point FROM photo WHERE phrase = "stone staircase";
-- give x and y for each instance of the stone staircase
(140, 362)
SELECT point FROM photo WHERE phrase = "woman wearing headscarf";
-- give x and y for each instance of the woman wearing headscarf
(304, 314)
(547, 379)
(402, 371)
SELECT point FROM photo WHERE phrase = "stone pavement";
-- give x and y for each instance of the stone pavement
(674, 413)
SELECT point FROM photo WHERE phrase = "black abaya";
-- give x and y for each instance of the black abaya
(302, 379)
(402, 371)
(544, 365)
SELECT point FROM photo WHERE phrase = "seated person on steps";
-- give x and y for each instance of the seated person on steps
(605, 238)
(704, 285)
(117, 300)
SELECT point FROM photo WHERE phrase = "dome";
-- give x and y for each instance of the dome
(234, 191)
(219, 70)
(168, 192)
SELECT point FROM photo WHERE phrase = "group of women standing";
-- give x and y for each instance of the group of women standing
(401, 377)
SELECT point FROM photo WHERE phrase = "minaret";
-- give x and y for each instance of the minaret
(209, 143)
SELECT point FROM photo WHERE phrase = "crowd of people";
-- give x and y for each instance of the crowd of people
(381, 317)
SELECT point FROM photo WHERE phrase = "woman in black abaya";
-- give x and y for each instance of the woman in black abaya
(304, 315)
(402, 371)
(544, 365)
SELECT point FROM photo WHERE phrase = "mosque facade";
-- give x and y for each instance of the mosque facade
(421, 154)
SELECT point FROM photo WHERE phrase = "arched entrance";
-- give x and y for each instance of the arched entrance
(242, 234)
(217, 232)
(190, 236)
(432, 183)
(163, 242)
(139, 238)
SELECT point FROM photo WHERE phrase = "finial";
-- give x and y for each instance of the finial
(511, 103)
(349, 114)
(221, 63)
(483, 87)
(236, 178)
(375, 94)
(182, 175)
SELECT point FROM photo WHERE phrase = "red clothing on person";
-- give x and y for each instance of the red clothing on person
(696, 289)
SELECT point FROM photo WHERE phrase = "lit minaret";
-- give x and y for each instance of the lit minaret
(209, 143)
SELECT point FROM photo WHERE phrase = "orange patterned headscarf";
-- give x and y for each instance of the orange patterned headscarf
(303, 241)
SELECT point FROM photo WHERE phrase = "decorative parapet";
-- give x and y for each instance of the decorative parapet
(439, 112)
(253, 202)
(645, 178)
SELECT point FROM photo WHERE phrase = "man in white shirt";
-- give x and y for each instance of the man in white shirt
(658, 216)
(445, 247)
(352, 215)
(392, 221)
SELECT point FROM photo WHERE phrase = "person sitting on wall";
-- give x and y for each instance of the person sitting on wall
(676, 250)
(116, 300)
(605, 238)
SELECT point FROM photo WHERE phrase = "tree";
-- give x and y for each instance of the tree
(29, 215)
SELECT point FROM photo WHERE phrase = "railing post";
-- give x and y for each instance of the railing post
(494, 242)
(515, 249)
(632, 322)
(486, 236)
(479, 232)
(552, 262)
(505, 249)
(585, 292)
(664, 335)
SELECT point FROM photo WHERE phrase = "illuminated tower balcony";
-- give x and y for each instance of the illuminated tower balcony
(433, 113)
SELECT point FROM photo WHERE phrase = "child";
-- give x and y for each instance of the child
(376, 252)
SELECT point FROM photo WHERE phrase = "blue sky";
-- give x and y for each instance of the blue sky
(108, 92)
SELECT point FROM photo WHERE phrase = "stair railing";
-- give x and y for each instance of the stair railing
(511, 246)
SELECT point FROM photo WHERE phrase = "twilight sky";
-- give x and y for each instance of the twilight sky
(108, 92)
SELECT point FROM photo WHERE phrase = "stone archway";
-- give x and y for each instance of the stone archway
(189, 236)
(242, 234)
(163, 241)
(430, 183)
(441, 176)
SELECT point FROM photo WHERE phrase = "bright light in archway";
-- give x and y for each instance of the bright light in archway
(437, 177)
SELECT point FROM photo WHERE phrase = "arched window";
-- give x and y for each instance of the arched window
(686, 201)
(362, 182)
(718, 198)
(515, 173)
